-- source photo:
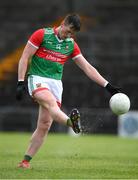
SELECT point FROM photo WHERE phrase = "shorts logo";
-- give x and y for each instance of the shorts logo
(38, 85)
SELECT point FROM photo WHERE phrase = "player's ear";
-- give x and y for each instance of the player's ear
(62, 23)
(62, 26)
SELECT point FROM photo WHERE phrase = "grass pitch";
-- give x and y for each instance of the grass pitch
(66, 157)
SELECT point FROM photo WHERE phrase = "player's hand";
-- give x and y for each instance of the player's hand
(20, 91)
(112, 89)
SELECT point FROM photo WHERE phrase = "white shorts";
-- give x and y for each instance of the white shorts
(38, 83)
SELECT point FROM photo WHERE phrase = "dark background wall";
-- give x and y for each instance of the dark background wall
(108, 40)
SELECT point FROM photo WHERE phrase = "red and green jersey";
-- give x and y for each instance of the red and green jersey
(51, 54)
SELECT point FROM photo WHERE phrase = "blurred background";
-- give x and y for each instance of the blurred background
(108, 40)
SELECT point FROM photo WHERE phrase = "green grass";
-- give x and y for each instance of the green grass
(66, 157)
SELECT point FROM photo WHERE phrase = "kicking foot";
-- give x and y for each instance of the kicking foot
(75, 119)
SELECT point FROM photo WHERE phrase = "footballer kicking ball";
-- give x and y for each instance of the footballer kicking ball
(119, 103)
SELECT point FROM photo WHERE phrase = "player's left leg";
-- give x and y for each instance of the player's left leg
(43, 126)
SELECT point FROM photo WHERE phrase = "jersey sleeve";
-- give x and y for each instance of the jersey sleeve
(36, 38)
(76, 52)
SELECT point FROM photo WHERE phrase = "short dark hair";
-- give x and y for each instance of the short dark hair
(74, 20)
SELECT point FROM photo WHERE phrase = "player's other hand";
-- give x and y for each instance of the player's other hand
(112, 89)
(20, 91)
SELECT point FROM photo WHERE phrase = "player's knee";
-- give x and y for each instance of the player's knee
(44, 127)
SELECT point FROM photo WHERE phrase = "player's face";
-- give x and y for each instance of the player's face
(66, 31)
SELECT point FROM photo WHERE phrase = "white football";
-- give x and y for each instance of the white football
(119, 103)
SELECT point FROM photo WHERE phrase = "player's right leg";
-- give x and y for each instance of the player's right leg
(47, 100)
(43, 126)
(48, 92)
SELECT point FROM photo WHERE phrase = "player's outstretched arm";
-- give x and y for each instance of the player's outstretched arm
(94, 75)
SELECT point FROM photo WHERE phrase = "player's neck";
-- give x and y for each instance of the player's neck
(58, 30)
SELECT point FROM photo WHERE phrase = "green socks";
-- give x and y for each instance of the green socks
(27, 158)
(69, 123)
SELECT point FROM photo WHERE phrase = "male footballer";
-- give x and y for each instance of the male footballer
(48, 49)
